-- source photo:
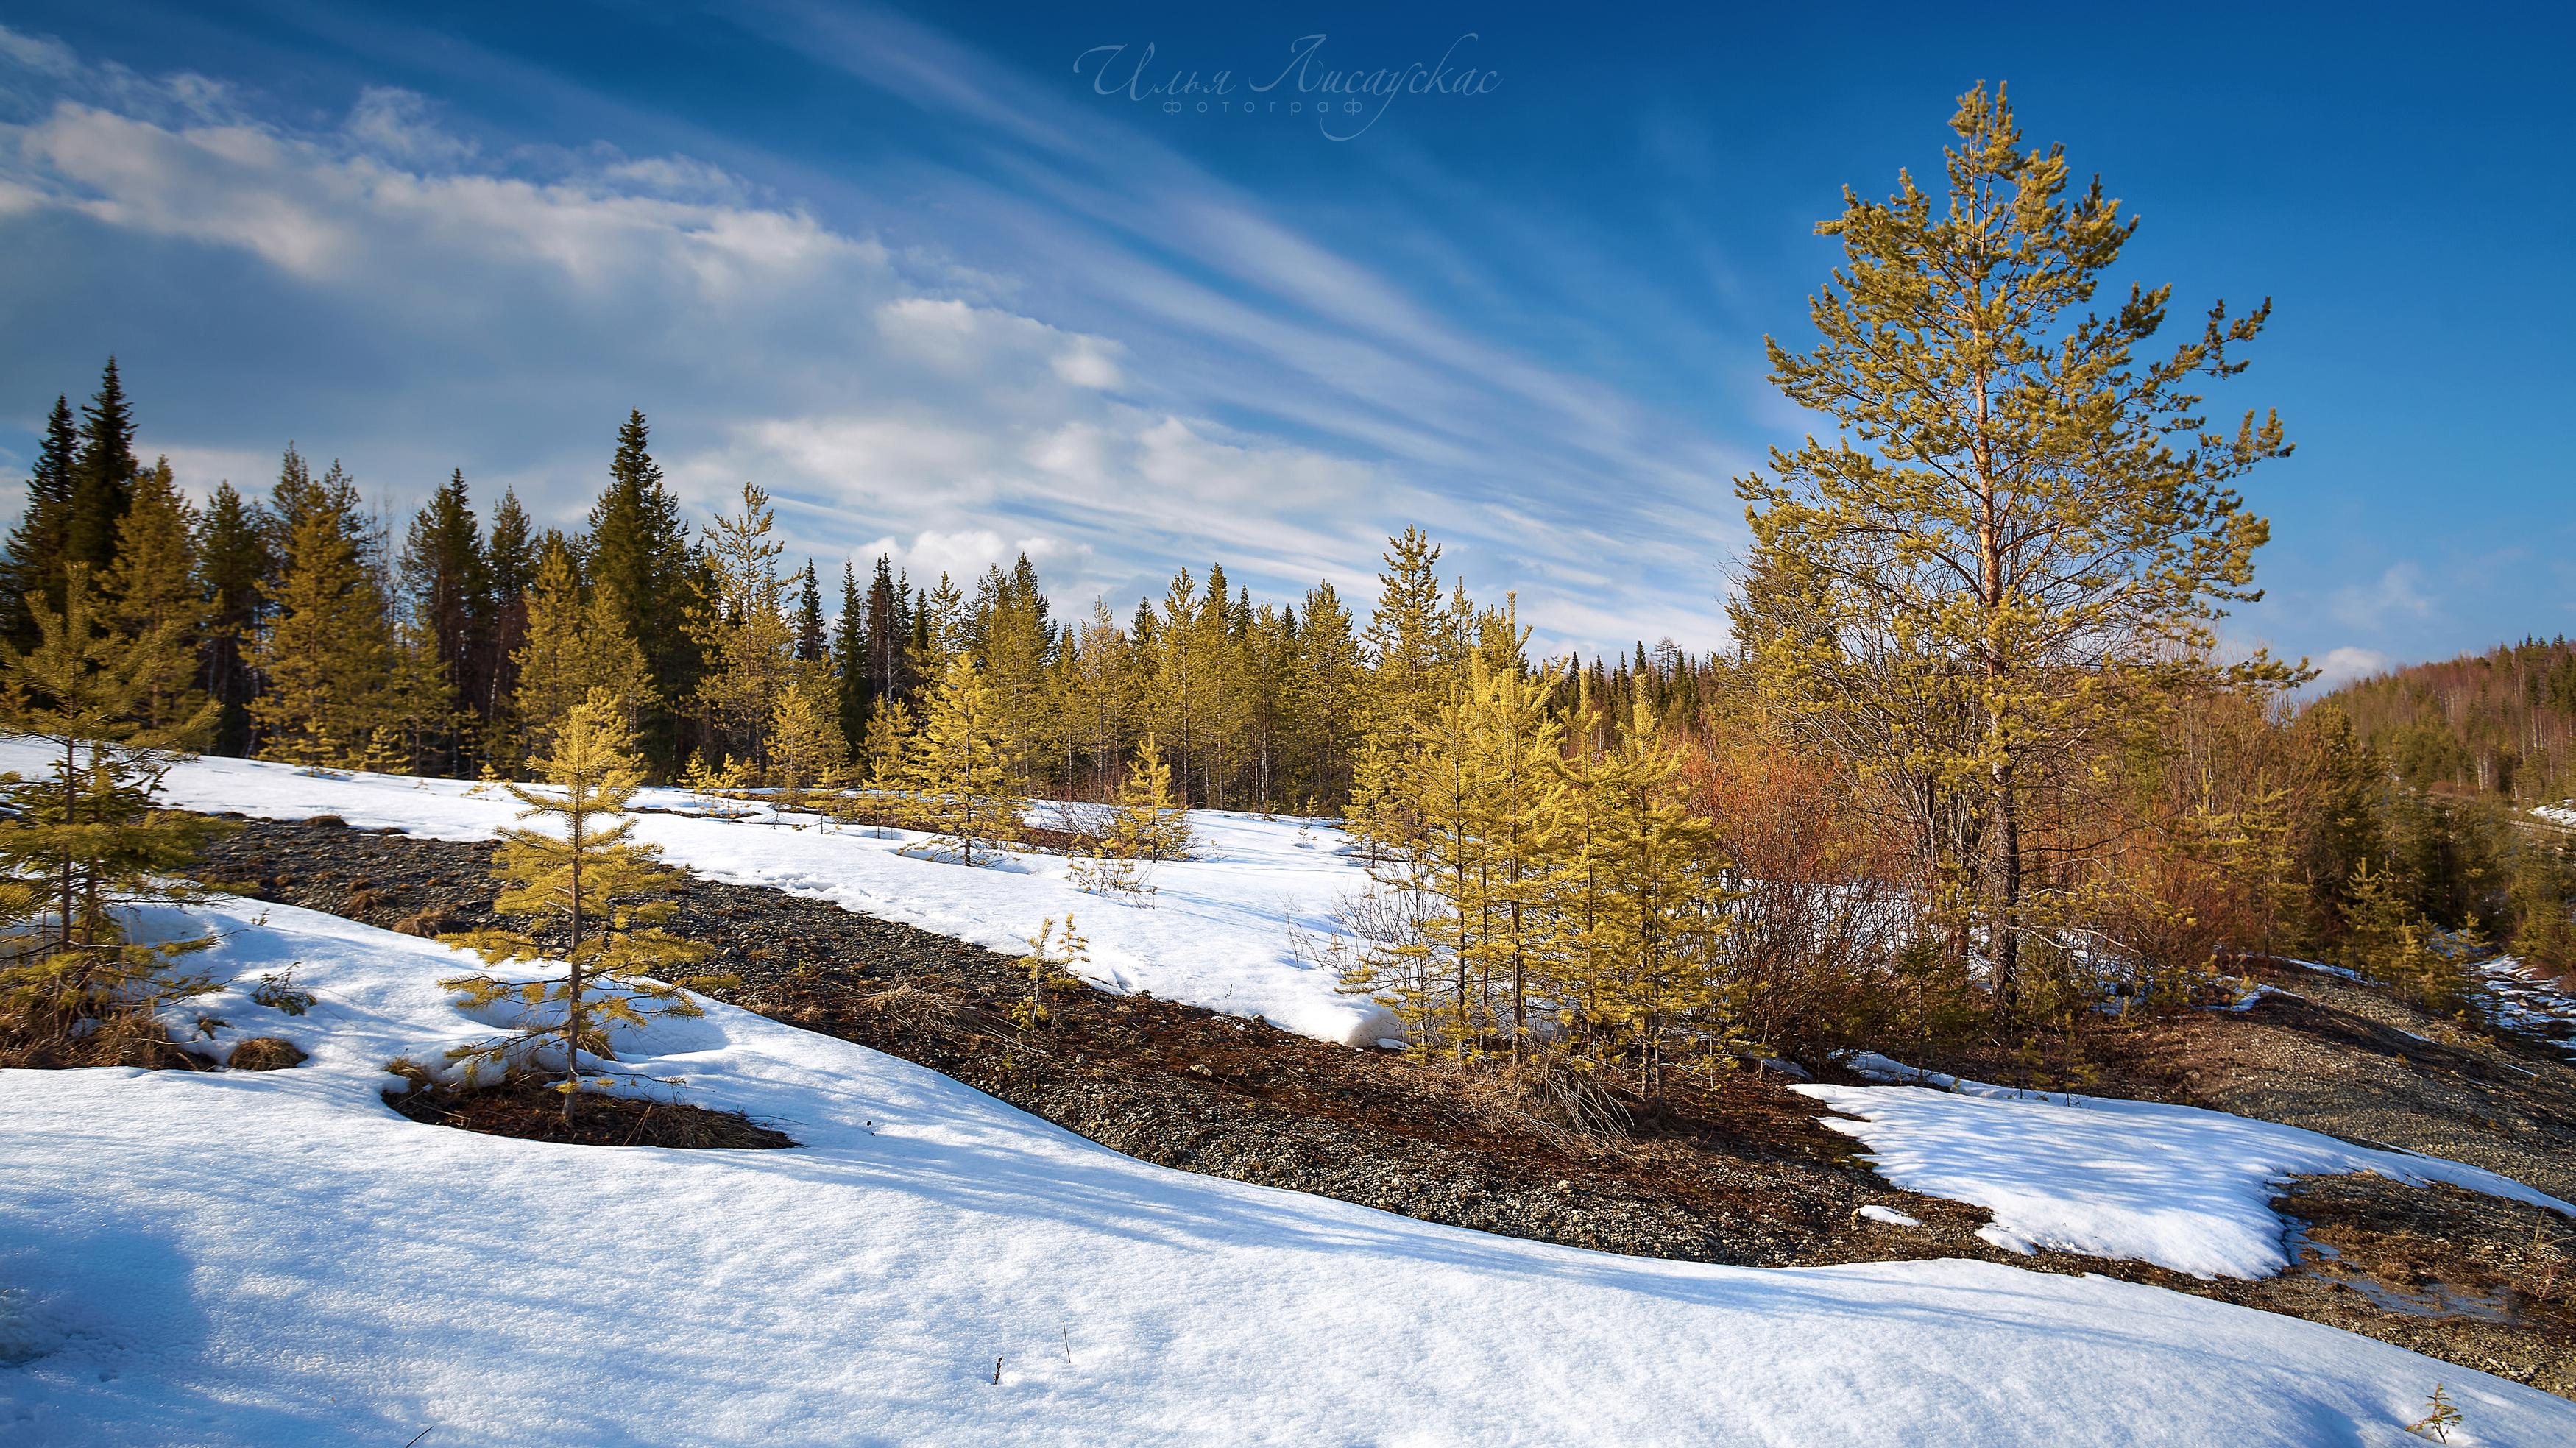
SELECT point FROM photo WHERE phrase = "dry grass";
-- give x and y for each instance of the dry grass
(131, 1038)
(265, 1053)
(915, 1008)
(1557, 1099)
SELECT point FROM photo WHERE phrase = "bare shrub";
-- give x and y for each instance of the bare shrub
(1560, 1099)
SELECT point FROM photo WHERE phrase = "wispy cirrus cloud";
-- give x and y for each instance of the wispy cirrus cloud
(1091, 350)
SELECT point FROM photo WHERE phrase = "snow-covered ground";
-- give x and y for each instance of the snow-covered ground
(2173, 1185)
(1215, 935)
(278, 1259)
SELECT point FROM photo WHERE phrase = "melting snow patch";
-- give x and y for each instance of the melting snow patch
(1890, 1215)
(2173, 1185)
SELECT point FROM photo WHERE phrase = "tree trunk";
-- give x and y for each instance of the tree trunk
(572, 962)
(2004, 934)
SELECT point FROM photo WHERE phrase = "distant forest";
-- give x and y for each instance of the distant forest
(2502, 722)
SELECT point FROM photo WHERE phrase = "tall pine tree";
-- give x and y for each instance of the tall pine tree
(233, 560)
(449, 580)
(103, 473)
(850, 661)
(638, 555)
(36, 546)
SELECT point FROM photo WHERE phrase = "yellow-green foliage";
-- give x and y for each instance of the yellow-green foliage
(1147, 823)
(1052, 958)
(595, 884)
(955, 785)
(84, 839)
(327, 652)
(572, 650)
(805, 737)
(1575, 893)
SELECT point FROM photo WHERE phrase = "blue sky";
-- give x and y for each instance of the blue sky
(913, 272)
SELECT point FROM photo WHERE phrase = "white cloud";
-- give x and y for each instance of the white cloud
(963, 557)
(2399, 589)
(42, 54)
(2343, 665)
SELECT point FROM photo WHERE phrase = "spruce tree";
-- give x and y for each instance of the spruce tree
(36, 546)
(103, 472)
(601, 890)
(2035, 512)
(889, 638)
(810, 642)
(511, 559)
(232, 561)
(445, 571)
(639, 555)
(851, 696)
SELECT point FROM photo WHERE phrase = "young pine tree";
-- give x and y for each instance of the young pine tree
(1640, 876)
(956, 786)
(592, 900)
(154, 593)
(805, 739)
(84, 841)
(573, 650)
(328, 649)
(743, 631)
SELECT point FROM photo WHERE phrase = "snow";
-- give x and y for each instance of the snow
(2254, 997)
(2174, 1185)
(2529, 999)
(278, 1259)
(1890, 1215)
(1215, 934)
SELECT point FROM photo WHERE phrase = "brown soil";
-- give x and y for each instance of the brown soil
(534, 1111)
(1732, 1167)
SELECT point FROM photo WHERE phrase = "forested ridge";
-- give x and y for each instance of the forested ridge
(2501, 722)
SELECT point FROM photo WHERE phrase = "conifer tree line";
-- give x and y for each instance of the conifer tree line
(312, 630)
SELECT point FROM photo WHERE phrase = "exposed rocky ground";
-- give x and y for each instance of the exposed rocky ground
(1734, 1168)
